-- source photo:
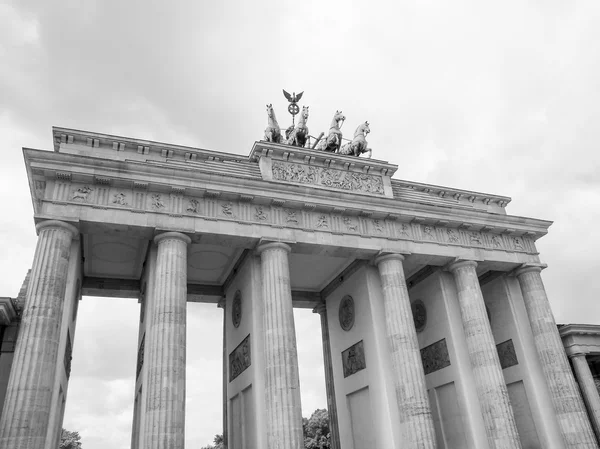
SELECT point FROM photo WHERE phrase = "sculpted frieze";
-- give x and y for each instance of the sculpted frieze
(240, 359)
(435, 356)
(311, 217)
(328, 177)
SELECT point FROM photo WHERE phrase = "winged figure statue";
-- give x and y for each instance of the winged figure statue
(292, 98)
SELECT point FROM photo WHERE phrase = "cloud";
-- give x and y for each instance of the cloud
(494, 98)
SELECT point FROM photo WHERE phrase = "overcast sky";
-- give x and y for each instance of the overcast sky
(498, 97)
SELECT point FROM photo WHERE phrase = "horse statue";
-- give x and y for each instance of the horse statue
(334, 139)
(358, 145)
(298, 136)
(272, 132)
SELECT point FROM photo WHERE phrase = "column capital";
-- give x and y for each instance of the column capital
(264, 246)
(453, 266)
(172, 235)
(529, 267)
(320, 308)
(57, 224)
(383, 256)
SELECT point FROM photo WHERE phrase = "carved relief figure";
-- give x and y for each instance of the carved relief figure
(377, 225)
(496, 241)
(359, 144)
(193, 206)
(346, 313)
(350, 226)
(298, 136)
(157, 202)
(227, 209)
(404, 230)
(119, 198)
(435, 356)
(452, 237)
(351, 181)
(507, 354)
(82, 194)
(518, 243)
(236, 309)
(260, 214)
(428, 232)
(240, 359)
(272, 132)
(475, 237)
(419, 313)
(322, 222)
(333, 141)
(294, 173)
(353, 359)
(291, 216)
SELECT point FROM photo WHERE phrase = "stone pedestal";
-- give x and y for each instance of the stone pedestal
(588, 389)
(165, 406)
(27, 407)
(282, 384)
(568, 405)
(491, 388)
(329, 381)
(409, 377)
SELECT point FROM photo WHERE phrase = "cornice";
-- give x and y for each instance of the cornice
(579, 329)
(87, 169)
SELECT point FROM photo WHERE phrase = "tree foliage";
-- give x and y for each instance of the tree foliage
(316, 430)
(69, 440)
(218, 443)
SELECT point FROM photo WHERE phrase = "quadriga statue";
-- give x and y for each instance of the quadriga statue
(333, 141)
(272, 132)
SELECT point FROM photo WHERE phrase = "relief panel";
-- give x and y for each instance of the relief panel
(435, 356)
(239, 359)
(353, 359)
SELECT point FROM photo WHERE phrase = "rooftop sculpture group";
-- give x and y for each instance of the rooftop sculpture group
(297, 134)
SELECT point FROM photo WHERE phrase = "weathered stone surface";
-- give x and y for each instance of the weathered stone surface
(166, 343)
(353, 359)
(240, 359)
(498, 416)
(27, 407)
(334, 428)
(588, 389)
(409, 378)
(568, 404)
(435, 356)
(507, 354)
(282, 384)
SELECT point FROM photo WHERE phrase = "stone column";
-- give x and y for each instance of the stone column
(409, 377)
(588, 388)
(165, 404)
(334, 429)
(28, 403)
(225, 359)
(497, 412)
(568, 405)
(282, 384)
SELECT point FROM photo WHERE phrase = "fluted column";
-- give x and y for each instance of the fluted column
(491, 388)
(282, 384)
(568, 405)
(588, 388)
(165, 405)
(222, 305)
(409, 377)
(28, 403)
(334, 429)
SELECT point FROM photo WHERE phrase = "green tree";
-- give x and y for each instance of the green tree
(316, 430)
(69, 440)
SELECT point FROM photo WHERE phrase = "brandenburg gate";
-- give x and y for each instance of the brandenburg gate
(437, 331)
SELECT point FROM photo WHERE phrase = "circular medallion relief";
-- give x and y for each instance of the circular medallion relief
(419, 314)
(346, 313)
(236, 309)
